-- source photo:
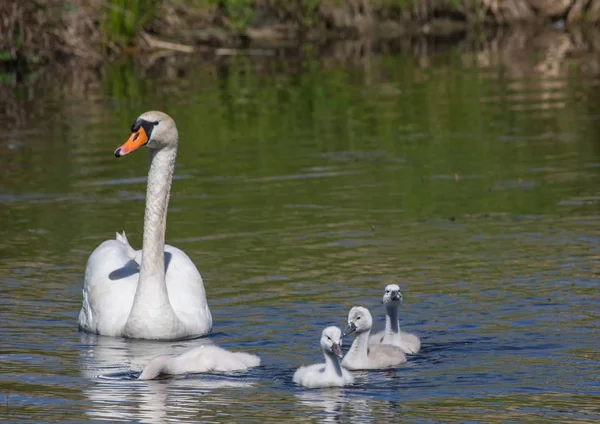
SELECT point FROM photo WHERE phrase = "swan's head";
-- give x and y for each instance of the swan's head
(392, 295)
(359, 320)
(331, 341)
(154, 129)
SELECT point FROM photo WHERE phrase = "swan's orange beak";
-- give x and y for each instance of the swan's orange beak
(137, 139)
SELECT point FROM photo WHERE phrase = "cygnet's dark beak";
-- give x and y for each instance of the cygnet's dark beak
(350, 328)
(396, 295)
(337, 350)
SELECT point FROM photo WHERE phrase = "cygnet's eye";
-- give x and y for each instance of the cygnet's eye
(387, 291)
(358, 317)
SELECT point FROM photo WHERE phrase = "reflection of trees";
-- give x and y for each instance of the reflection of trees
(538, 63)
(449, 92)
(519, 52)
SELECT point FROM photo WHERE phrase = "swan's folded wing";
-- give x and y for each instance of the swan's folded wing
(109, 287)
(209, 358)
(186, 291)
(306, 375)
(383, 355)
(376, 338)
(412, 342)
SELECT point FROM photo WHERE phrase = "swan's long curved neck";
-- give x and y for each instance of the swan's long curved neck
(392, 325)
(160, 177)
(332, 363)
(151, 296)
(156, 367)
(360, 345)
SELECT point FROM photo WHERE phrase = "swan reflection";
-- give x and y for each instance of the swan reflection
(334, 405)
(113, 393)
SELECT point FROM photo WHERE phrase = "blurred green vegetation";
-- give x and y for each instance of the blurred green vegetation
(89, 29)
(125, 18)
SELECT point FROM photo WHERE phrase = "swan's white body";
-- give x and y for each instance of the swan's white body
(155, 293)
(111, 281)
(361, 356)
(205, 358)
(392, 335)
(329, 374)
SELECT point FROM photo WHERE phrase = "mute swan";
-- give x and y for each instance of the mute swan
(329, 374)
(155, 293)
(360, 356)
(205, 358)
(409, 343)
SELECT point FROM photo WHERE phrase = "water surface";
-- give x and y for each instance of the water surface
(302, 188)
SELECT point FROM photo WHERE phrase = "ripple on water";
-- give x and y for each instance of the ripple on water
(295, 211)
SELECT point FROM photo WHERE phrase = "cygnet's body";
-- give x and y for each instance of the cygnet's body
(329, 374)
(409, 343)
(361, 356)
(205, 358)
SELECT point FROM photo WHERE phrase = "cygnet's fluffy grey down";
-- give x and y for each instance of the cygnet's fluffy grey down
(409, 343)
(329, 374)
(205, 358)
(361, 356)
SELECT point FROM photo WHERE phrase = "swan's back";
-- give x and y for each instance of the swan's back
(206, 358)
(212, 358)
(377, 337)
(409, 343)
(385, 356)
(379, 356)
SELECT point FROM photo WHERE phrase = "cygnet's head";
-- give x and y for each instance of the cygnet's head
(392, 295)
(359, 320)
(154, 129)
(331, 341)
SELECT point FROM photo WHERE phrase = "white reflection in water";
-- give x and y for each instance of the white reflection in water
(114, 394)
(335, 406)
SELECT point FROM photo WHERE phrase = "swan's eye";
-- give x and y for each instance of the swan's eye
(387, 291)
(155, 123)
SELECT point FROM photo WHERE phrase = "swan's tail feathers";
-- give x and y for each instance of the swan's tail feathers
(122, 237)
(248, 359)
(155, 368)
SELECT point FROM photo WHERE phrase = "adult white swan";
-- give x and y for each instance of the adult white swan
(155, 293)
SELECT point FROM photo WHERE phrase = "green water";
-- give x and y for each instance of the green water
(304, 186)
